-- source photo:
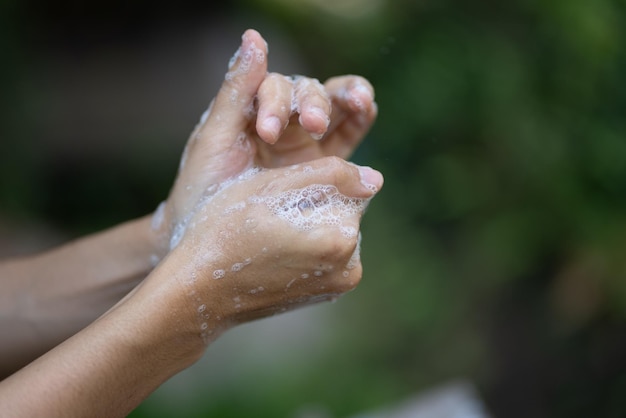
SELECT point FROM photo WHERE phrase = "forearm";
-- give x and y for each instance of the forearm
(48, 297)
(112, 365)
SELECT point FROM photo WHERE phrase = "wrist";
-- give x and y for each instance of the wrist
(156, 230)
(182, 320)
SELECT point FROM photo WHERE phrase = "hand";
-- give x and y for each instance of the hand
(328, 119)
(268, 241)
(267, 120)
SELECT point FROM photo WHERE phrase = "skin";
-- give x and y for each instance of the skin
(231, 139)
(131, 342)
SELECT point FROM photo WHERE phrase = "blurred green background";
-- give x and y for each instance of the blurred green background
(496, 252)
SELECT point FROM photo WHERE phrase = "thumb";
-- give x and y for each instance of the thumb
(350, 179)
(233, 105)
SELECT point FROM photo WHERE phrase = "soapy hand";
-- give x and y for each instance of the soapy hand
(266, 120)
(271, 240)
(265, 211)
(245, 233)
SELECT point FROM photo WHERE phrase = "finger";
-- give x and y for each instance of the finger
(354, 112)
(275, 107)
(349, 179)
(313, 104)
(233, 104)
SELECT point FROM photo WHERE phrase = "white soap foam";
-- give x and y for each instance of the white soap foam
(355, 259)
(245, 58)
(158, 217)
(237, 266)
(314, 205)
(177, 233)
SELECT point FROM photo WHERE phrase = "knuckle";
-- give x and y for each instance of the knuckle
(335, 165)
(341, 171)
(334, 248)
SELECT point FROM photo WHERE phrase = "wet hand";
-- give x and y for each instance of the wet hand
(267, 120)
(272, 240)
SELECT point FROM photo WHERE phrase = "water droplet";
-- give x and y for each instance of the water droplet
(250, 223)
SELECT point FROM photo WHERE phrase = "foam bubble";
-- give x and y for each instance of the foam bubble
(183, 158)
(209, 194)
(233, 59)
(295, 107)
(158, 217)
(300, 87)
(245, 58)
(201, 308)
(204, 117)
(177, 234)
(218, 274)
(314, 205)
(356, 255)
(349, 231)
(237, 207)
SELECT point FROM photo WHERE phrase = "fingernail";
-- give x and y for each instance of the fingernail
(272, 125)
(358, 94)
(319, 113)
(371, 178)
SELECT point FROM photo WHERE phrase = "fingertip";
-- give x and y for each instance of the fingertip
(253, 36)
(250, 56)
(359, 97)
(321, 118)
(315, 121)
(372, 179)
(250, 32)
(269, 129)
(234, 102)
